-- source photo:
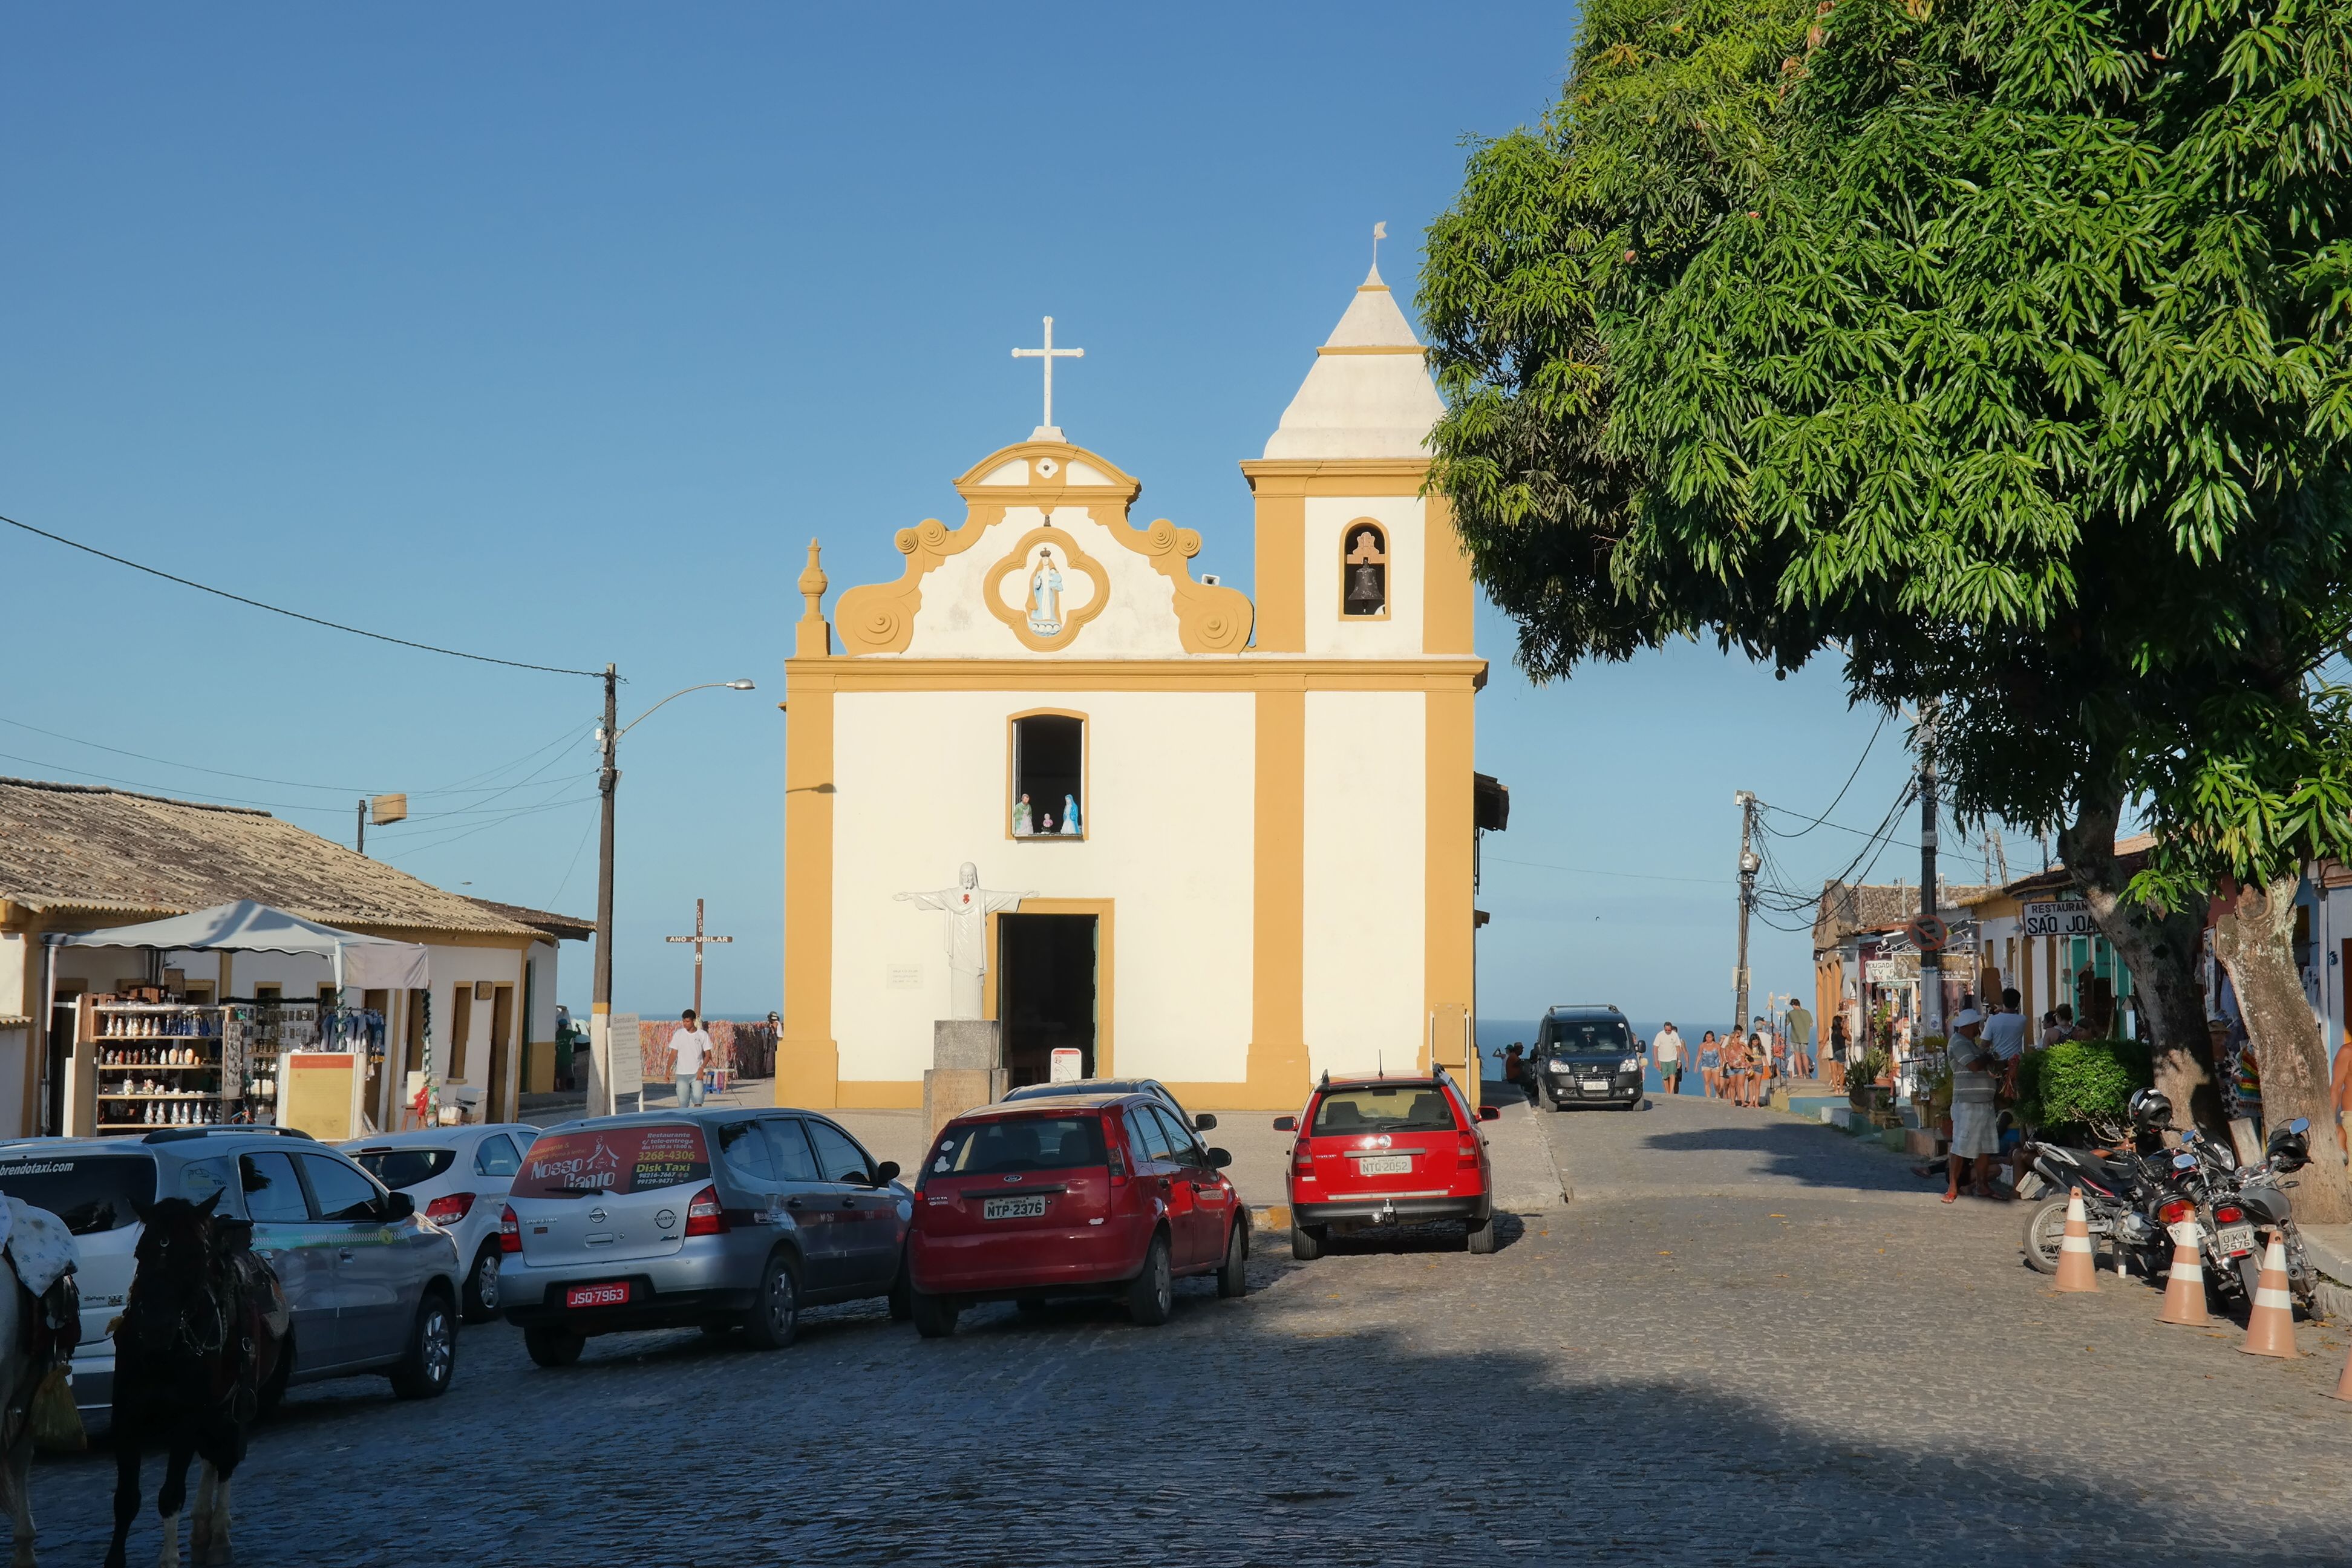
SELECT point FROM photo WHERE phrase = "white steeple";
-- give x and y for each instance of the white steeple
(1369, 394)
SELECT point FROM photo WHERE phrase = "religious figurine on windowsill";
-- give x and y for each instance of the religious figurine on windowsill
(1022, 826)
(1070, 814)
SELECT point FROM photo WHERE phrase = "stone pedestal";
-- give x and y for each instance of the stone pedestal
(967, 1070)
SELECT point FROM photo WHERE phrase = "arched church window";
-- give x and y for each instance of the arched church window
(1364, 572)
(1048, 776)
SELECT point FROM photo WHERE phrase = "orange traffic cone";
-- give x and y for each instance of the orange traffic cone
(2077, 1268)
(2270, 1326)
(2184, 1288)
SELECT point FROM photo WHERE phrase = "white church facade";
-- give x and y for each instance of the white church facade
(1223, 843)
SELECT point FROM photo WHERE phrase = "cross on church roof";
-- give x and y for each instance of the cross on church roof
(1048, 431)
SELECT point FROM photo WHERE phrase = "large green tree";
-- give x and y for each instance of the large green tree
(2000, 346)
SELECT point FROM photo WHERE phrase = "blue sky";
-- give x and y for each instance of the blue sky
(555, 332)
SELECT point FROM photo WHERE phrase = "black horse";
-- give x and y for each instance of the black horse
(191, 1352)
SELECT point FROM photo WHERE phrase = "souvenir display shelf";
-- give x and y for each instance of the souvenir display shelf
(177, 1064)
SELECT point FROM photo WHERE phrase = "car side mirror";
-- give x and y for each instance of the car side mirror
(398, 1206)
(1490, 1113)
(887, 1171)
(1220, 1158)
(1204, 1123)
(1286, 1125)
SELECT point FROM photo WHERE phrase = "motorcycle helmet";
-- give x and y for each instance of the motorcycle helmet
(2151, 1108)
(2289, 1148)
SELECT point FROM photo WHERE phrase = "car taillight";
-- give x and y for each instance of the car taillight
(449, 1208)
(1302, 1157)
(1467, 1151)
(2175, 1211)
(510, 1233)
(704, 1216)
(1118, 1167)
(2229, 1214)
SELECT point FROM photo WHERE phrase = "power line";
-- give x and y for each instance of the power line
(295, 614)
(1595, 871)
(1823, 820)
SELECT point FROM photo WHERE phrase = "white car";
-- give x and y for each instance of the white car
(458, 1178)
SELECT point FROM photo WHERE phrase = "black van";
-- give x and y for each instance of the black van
(1588, 1056)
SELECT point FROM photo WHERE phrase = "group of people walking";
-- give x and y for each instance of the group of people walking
(1741, 1064)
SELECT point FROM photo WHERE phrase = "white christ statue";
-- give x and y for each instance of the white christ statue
(968, 906)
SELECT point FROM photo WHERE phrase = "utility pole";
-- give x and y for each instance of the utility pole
(600, 1009)
(1931, 964)
(1749, 864)
(362, 838)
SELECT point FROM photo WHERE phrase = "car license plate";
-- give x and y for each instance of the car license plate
(614, 1295)
(1031, 1207)
(1384, 1166)
(2236, 1241)
(1596, 1086)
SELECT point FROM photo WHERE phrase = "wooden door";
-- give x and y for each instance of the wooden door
(461, 1030)
(494, 1103)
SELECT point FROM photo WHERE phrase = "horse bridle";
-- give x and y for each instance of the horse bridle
(203, 1339)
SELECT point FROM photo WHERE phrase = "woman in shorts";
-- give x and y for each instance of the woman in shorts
(1710, 1066)
(1734, 1068)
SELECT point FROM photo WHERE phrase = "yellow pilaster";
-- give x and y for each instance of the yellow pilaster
(1277, 1053)
(808, 1060)
(1447, 954)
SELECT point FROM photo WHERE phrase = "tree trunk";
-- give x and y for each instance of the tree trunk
(2160, 952)
(2255, 941)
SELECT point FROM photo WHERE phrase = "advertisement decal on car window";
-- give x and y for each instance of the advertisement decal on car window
(613, 1159)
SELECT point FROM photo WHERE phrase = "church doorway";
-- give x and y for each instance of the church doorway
(1046, 991)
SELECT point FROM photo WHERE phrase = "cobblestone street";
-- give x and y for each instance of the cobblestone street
(1746, 1340)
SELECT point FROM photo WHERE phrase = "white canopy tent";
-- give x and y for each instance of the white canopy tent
(364, 962)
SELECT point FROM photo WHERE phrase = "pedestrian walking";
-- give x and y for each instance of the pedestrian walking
(2057, 1025)
(1736, 1051)
(1800, 1040)
(1976, 1132)
(1710, 1066)
(1833, 1063)
(689, 1050)
(1668, 1052)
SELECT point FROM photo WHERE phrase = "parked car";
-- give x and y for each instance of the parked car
(1387, 1151)
(1048, 1197)
(1587, 1056)
(721, 1218)
(458, 1177)
(372, 1284)
(1203, 1122)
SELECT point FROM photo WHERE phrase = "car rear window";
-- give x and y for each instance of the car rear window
(636, 1159)
(1383, 1108)
(1004, 1145)
(92, 1192)
(398, 1168)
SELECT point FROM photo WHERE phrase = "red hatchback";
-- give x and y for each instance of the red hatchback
(1104, 1195)
(1387, 1151)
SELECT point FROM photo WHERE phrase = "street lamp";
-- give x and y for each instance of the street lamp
(608, 779)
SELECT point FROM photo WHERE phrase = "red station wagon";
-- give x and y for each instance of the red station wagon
(1104, 1195)
(1387, 1151)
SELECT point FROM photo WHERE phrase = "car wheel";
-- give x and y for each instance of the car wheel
(775, 1314)
(1306, 1241)
(478, 1299)
(935, 1316)
(1151, 1294)
(431, 1360)
(902, 1293)
(1482, 1234)
(1232, 1275)
(553, 1346)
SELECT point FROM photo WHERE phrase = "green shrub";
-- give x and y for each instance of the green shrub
(2082, 1086)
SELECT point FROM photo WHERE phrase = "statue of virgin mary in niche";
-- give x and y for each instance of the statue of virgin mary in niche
(1045, 596)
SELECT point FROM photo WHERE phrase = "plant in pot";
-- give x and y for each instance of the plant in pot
(1865, 1091)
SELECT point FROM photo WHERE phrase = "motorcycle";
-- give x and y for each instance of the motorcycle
(2121, 1198)
(2241, 1202)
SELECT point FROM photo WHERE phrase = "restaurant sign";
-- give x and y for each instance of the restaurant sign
(2059, 917)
